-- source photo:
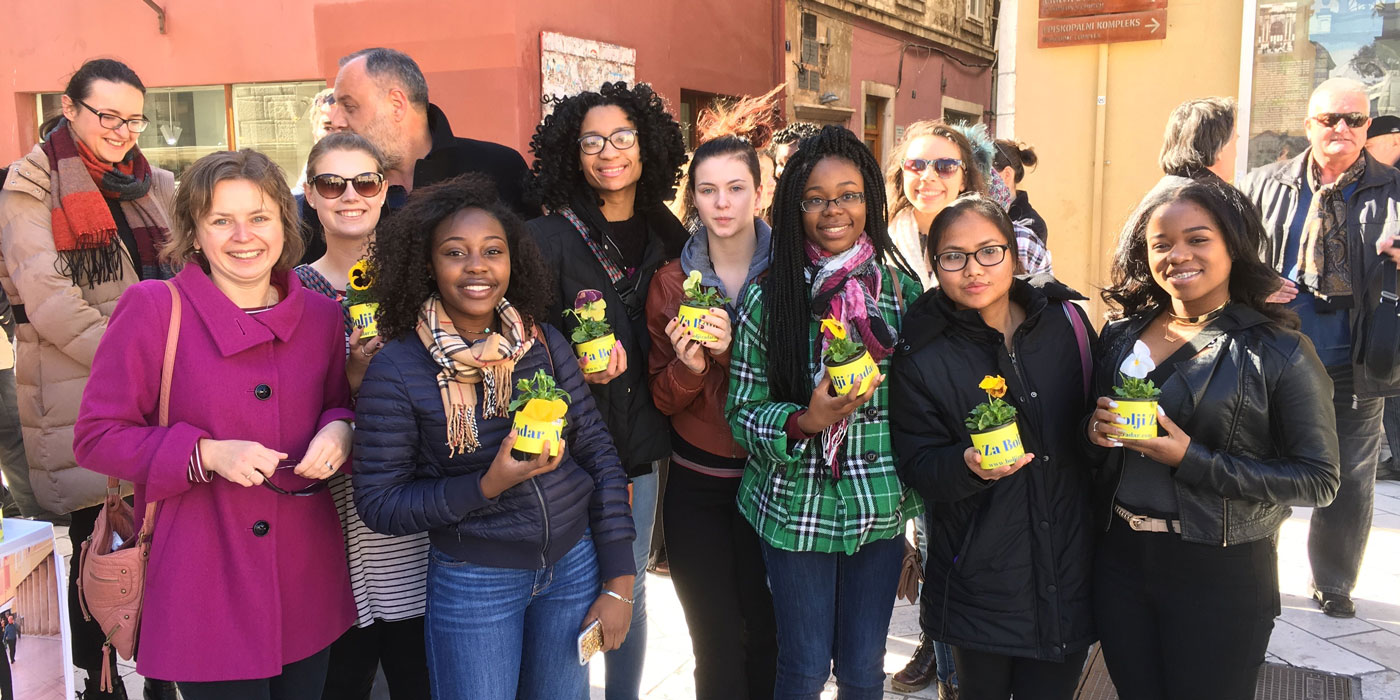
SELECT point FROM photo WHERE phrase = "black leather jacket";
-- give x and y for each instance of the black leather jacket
(1257, 404)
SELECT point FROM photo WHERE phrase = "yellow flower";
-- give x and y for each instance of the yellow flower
(359, 276)
(838, 329)
(691, 286)
(544, 410)
(594, 311)
(994, 386)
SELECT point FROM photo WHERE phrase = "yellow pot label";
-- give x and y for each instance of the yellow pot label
(531, 435)
(362, 316)
(1141, 415)
(691, 317)
(860, 371)
(597, 353)
(1000, 447)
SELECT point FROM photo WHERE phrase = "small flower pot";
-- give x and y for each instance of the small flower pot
(693, 317)
(531, 435)
(1141, 417)
(596, 353)
(1000, 446)
(362, 316)
(852, 373)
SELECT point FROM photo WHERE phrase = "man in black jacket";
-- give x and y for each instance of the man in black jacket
(1332, 214)
(381, 94)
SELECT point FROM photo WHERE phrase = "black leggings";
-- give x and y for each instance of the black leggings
(987, 676)
(355, 657)
(299, 680)
(1178, 619)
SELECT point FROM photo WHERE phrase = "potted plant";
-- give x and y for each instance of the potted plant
(539, 407)
(593, 338)
(359, 297)
(696, 302)
(847, 361)
(1136, 395)
(992, 424)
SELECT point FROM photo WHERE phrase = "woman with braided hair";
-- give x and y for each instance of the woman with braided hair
(820, 485)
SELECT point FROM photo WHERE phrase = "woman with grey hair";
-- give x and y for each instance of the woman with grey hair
(1200, 139)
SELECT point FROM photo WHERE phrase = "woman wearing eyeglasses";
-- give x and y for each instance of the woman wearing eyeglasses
(1009, 549)
(246, 585)
(606, 163)
(345, 186)
(927, 171)
(819, 485)
(81, 218)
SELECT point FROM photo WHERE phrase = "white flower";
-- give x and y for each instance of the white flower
(1139, 364)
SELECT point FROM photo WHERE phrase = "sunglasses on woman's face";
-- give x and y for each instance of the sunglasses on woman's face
(945, 167)
(330, 186)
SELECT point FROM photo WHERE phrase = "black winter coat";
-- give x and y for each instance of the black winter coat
(640, 431)
(1257, 403)
(405, 481)
(1009, 561)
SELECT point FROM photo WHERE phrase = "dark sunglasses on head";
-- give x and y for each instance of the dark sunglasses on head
(945, 167)
(288, 464)
(1354, 120)
(330, 186)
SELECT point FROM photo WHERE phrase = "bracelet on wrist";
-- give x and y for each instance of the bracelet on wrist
(618, 596)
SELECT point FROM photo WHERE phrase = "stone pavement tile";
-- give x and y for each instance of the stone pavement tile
(1298, 648)
(1301, 611)
(1388, 488)
(1384, 685)
(1387, 504)
(1381, 646)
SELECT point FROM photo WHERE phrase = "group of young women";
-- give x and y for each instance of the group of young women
(787, 502)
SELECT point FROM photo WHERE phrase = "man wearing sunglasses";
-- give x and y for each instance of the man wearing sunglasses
(381, 94)
(1332, 213)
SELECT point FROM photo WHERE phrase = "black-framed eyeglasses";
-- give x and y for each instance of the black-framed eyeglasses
(308, 490)
(622, 139)
(330, 186)
(945, 167)
(816, 204)
(956, 260)
(113, 122)
(1354, 120)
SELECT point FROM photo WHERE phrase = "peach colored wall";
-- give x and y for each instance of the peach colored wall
(482, 65)
(875, 57)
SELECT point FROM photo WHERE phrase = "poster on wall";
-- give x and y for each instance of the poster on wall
(570, 65)
(1277, 24)
(33, 615)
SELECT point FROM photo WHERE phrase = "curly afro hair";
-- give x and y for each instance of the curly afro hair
(402, 249)
(557, 177)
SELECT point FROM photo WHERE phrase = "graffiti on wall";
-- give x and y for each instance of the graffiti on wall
(570, 65)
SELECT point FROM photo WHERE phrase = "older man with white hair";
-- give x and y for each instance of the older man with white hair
(1332, 213)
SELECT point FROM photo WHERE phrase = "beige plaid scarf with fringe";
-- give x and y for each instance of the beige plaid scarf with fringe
(489, 362)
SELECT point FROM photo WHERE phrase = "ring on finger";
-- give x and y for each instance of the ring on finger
(1095, 429)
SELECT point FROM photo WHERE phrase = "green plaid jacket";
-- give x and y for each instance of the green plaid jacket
(787, 493)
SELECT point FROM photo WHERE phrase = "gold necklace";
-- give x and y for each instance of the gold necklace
(1201, 320)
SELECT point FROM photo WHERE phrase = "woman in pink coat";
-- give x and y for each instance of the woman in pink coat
(247, 583)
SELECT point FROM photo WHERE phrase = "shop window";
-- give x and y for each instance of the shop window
(1298, 45)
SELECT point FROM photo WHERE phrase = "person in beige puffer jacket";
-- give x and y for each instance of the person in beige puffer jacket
(81, 217)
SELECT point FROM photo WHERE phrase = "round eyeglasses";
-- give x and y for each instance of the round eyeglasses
(622, 139)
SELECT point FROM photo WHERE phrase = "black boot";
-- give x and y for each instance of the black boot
(920, 670)
(160, 690)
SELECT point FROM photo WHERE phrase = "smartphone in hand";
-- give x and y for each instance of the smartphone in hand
(590, 642)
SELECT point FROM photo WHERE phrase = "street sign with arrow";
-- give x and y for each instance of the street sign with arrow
(1103, 29)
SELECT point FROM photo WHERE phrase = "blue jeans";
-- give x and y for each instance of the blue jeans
(942, 653)
(833, 610)
(502, 634)
(1337, 534)
(624, 664)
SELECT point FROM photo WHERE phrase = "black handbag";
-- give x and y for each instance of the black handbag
(1381, 357)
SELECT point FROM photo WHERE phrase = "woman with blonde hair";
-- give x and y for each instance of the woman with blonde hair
(931, 167)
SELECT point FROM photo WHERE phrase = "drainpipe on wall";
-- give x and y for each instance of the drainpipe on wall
(1100, 132)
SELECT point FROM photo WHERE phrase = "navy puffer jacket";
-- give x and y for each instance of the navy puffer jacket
(406, 482)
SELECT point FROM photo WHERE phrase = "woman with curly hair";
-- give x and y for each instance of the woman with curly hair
(1186, 576)
(716, 563)
(819, 485)
(606, 163)
(525, 553)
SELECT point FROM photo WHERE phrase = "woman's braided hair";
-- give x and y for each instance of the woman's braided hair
(787, 309)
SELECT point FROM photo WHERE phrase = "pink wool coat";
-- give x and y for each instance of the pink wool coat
(241, 580)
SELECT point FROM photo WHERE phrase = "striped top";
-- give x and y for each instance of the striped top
(388, 574)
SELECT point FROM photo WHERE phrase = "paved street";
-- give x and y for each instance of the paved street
(1367, 647)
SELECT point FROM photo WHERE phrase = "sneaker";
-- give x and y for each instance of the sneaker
(1335, 604)
(1388, 470)
(920, 670)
